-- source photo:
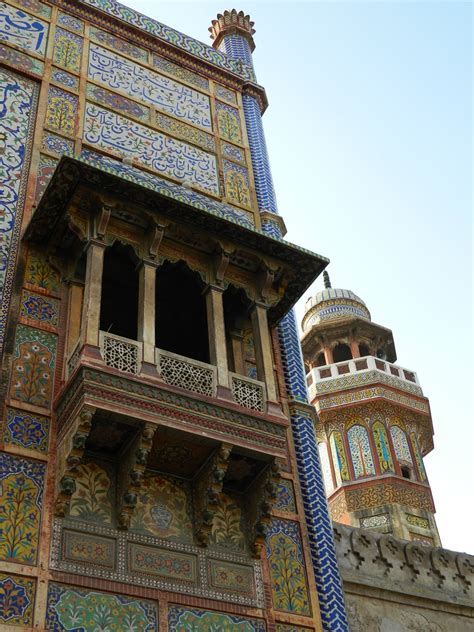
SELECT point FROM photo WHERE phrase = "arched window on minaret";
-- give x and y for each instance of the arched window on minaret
(339, 458)
(402, 451)
(383, 447)
(326, 467)
(361, 453)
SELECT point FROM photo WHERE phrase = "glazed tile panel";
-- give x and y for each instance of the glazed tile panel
(80, 610)
(17, 596)
(170, 157)
(181, 619)
(118, 73)
(21, 502)
(22, 29)
(17, 108)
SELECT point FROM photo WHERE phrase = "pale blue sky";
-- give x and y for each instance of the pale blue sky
(370, 137)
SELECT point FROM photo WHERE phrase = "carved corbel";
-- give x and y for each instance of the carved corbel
(207, 488)
(261, 499)
(132, 469)
(69, 455)
(156, 237)
(221, 261)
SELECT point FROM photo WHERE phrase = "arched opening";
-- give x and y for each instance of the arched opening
(239, 335)
(341, 352)
(363, 350)
(321, 360)
(181, 317)
(406, 473)
(119, 299)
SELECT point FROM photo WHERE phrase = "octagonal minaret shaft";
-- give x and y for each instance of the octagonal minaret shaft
(374, 422)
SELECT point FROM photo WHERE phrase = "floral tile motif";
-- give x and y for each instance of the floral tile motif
(400, 444)
(228, 123)
(233, 152)
(382, 446)
(40, 274)
(120, 45)
(180, 73)
(18, 97)
(61, 111)
(226, 525)
(181, 619)
(80, 609)
(67, 50)
(162, 563)
(117, 102)
(171, 97)
(57, 144)
(22, 29)
(224, 93)
(41, 309)
(33, 366)
(64, 79)
(285, 500)
(70, 22)
(237, 184)
(361, 453)
(21, 61)
(88, 549)
(115, 133)
(287, 574)
(17, 595)
(26, 430)
(21, 500)
(233, 577)
(36, 7)
(46, 168)
(91, 500)
(184, 131)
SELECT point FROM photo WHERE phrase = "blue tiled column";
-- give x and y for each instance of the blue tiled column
(318, 522)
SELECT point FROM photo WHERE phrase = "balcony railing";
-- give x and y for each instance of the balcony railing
(192, 375)
(121, 353)
(322, 379)
(126, 355)
(247, 392)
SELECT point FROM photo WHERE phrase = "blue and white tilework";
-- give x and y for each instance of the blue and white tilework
(119, 135)
(64, 79)
(22, 29)
(319, 525)
(237, 47)
(168, 189)
(115, 72)
(167, 34)
(18, 97)
(70, 22)
(266, 197)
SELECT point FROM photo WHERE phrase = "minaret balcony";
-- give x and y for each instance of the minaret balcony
(361, 371)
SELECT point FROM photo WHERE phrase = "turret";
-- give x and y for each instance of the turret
(374, 423)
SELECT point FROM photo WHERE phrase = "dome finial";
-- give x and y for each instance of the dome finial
(327, 280)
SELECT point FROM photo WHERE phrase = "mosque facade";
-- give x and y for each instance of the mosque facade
(159, 459)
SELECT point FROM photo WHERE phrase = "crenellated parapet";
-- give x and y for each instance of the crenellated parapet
(393, 582)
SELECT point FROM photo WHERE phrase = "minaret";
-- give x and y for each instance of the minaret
(374, 421)
(232, 32)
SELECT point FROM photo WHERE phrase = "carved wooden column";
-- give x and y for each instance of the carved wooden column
(328, 355)
(263, 350)
(236, 338)
(146, 314)
(90, 323)
(354, 345)
(217, 341)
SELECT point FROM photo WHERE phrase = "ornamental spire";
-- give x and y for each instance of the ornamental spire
(232, 22)
(327, 280)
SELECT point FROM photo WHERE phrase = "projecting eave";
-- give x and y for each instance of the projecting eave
(135, 188)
